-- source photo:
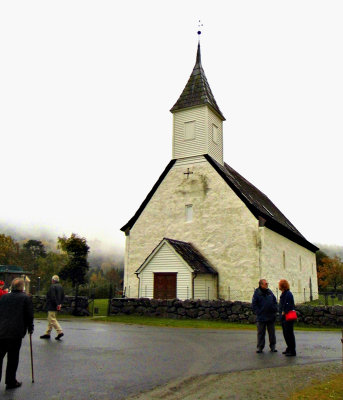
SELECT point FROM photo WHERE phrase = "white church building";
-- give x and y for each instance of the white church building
(204, 231)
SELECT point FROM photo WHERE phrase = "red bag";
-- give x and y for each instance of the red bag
(291, 316)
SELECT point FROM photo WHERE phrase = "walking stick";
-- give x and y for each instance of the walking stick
(32, 375)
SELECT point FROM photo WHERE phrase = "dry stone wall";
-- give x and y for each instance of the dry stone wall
(231, 311)
(68, 306)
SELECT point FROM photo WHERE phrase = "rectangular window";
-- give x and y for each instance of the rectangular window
(300, 265)
(284, 259)
(189, 130)
(189, 212)
(215, 133)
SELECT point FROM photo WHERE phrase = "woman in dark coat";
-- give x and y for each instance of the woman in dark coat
(286, 305)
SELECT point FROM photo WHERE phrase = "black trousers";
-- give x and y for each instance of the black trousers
(261, 334)
(288, 334)
(12, 348)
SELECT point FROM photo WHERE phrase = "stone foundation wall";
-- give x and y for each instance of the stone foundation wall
(68, 306)
(230, 311)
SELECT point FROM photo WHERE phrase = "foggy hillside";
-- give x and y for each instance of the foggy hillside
(101, 254)
(331, 250)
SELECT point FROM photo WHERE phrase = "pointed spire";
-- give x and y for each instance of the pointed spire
(198, 61)
(197, 90)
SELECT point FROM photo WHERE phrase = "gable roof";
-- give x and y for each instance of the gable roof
(194, 259)
(256, 201)
(132, 221)
(259, 204)
(197, 90)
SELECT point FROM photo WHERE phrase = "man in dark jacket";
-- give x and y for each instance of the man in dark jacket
(16, 317)
(265, 307)
(54, 301)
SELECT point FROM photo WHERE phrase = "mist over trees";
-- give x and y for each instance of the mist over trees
(331, 250)
(46, 255)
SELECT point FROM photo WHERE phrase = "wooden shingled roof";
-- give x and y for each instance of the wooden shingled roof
(197, 90)
(256, 201)
(190, 255)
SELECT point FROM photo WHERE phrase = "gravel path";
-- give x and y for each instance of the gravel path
(269, 384)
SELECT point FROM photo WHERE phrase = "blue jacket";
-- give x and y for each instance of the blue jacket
(264, 305)
(286, 303)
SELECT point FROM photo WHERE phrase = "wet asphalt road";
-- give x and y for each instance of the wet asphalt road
(112, 361)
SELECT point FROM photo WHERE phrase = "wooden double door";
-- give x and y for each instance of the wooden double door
(165, 285)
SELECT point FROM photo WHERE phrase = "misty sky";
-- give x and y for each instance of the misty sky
(86, 88)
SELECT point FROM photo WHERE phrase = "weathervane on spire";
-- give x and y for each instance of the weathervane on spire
(199, 27)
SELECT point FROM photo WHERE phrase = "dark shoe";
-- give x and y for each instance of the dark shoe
(45, 336)
(259, 351)
(290, 354)
(285, 352)
(273, 350)
(58, 337)
(14, 385)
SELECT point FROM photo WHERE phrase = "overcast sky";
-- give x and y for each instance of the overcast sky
(86, 88)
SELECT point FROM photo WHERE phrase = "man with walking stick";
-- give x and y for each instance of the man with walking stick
(16, 318)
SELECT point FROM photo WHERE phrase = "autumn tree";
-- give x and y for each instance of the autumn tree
(48, 266)
(77, 265)
(114, 276)
(35, 248)
(9, 250)
(320, 255)
(330, 273)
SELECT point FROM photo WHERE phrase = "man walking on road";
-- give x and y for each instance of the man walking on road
(16, 317)
(54, 301)
(265, 307)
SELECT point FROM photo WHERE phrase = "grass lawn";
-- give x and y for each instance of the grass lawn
(331, 389)
(321, 301)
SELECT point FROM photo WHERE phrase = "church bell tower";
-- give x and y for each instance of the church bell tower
(197, 119)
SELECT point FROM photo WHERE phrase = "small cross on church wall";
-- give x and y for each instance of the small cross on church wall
(188, 173)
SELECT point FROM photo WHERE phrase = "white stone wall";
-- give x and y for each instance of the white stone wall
(283, 259)
(223, 229)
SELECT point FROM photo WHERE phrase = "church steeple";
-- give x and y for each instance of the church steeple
(197, 119)
(197, 91)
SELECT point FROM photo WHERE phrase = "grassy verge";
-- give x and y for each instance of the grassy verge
(192, 323)
(330, 389)
(175, 323)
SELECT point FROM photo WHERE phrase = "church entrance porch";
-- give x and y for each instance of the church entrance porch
(164, 285)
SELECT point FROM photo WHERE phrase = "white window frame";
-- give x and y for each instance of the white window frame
(189, 212)
(215, 133)
(189, 130)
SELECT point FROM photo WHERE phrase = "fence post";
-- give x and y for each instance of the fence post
(110, 294)
(311, 295)
(229, 294)
(304, 295)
